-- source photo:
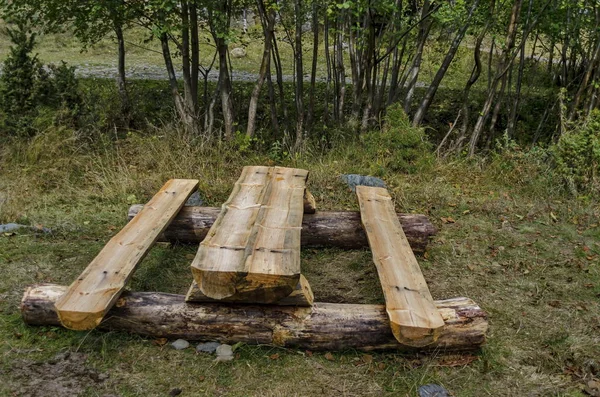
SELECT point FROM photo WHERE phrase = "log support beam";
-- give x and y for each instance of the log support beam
(340, 229)
(324, 326)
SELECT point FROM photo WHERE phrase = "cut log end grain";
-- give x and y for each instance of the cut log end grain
(301, 296)
(240, 287)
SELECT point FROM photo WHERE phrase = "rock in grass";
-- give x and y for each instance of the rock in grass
(195, 200)
(10, 227)
(432, 390)
(180, 344)
(354, 180)
(224, 353)
(238, 52)
(208, 347)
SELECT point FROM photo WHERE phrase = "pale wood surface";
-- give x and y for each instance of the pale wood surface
(324, 326)
(254, 243)
(413, 316)
(302, 295)
(99, 286)
(340, 229)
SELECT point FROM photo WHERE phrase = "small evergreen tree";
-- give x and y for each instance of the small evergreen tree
(29, 91)
(20, 73)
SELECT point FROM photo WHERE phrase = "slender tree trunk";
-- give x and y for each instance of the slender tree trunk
(500, 75)
(225, 89)
(220, 20)
(121, 79)
(475, 74)
(340, 74)
(299, 75)
(313, 70)
(195, 53)
(187, 119)
(396, 65)
(512, 119)
(433, 87)
(185, 58)
(279, 73)
(413, 76)
(329, 67)
(268, 21)
(592, 64)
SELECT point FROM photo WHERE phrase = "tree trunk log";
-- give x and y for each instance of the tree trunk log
(322, 229)
(324, 326)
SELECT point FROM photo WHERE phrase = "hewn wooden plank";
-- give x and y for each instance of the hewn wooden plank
(255, 242)
(302, 295)
(98, 287)
(324, 326)
(340, 229)
(413, 316)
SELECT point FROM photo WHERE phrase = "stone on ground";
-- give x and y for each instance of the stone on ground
(180, 344)
(354, 180)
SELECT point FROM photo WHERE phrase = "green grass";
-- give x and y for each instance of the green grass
(521, 248)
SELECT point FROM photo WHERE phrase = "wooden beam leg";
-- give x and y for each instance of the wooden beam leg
(324, 326)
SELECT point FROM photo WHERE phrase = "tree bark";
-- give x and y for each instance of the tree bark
(121, 79)
(299, 74)
(313, 69)
(433, 87)
(326, 229)
(324, 326)
(413, 74)
(268, 21)
(186, 118)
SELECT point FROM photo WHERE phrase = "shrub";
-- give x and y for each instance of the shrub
(577, 155)
(19, 75)
(398, 146)
(33, 96)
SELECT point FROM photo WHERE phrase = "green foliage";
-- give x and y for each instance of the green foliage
(577, 156)
(398, 147)
(20, 77)
(32, 95)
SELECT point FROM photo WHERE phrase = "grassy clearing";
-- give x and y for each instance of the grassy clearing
(510, 239)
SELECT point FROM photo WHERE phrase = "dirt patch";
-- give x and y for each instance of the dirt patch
(66, 374)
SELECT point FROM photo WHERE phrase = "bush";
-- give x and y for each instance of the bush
(398, 147)
(33, 96)
(577, 156)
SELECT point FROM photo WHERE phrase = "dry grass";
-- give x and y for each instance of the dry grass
(526, 253)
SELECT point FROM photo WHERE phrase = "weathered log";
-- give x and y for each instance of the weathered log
(301, 296)
(324, 326)
(322, 229)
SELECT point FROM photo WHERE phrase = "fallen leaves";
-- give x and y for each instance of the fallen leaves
(160, 341)
(328, 356)
(456, 360)
(448, 220)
